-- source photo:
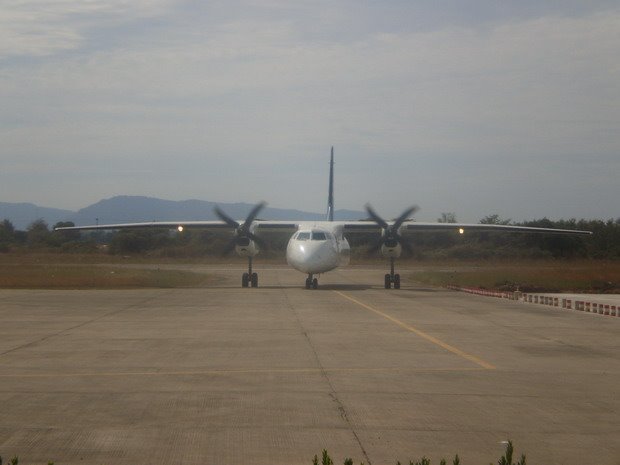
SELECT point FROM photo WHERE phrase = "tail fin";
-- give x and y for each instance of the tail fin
(330, 197)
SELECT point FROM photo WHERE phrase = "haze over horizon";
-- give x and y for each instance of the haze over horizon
(479, 108)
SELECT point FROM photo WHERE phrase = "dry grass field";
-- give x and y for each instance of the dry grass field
(594, 276)
(102, 271)
(67, 271)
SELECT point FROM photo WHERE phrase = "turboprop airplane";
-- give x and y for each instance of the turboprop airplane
(317, 247)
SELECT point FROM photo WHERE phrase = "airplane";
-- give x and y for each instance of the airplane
(316, 247)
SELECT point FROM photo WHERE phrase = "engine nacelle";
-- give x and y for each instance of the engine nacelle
(246, 247)
(391, 250)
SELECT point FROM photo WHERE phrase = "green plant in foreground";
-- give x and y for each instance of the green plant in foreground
(15, 461)
(506, 459)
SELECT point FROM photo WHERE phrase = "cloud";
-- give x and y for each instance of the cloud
(45, 27)
(208, 88)
(439, 90)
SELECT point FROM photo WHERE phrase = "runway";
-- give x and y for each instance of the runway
(273, 375)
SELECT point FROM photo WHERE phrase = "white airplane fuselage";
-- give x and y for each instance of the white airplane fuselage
(318, 248)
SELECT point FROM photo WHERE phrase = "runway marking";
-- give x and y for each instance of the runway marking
(428, 337)
(232, 372)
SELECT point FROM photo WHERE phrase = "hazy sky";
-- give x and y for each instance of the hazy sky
(473, 107)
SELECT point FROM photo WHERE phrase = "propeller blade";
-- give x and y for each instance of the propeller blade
(252, 215)
(404, 215)
(406, 245)
(229, 247)
(241, 230)
(376, 218)
(375, 246)
(226, 219)
(258, 240)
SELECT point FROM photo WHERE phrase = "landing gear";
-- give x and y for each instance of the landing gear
(392, 278)
(249, 279)
(311, 282)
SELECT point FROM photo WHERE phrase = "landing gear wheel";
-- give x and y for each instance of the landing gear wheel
(388, 281)
(308, 283)
(245, 279)
(315, 283)
(396, 281)
(254, 280)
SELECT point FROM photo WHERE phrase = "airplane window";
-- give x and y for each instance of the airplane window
(318, 236)
(303, 236)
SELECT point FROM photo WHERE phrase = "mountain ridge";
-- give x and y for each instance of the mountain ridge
(136, 208)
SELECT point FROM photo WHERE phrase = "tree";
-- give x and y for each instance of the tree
(449, 217)
(494, 219)
(7, 231)
(7, 235)
(65, 236)
(38, 234)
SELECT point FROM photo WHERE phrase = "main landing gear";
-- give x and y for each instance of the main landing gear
(311, 283)
(249, 279)
(392, 278)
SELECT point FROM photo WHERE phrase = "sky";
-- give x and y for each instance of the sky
(478, 107)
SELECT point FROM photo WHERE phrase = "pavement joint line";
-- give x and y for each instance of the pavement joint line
(231, 372)
(324, 373)
(428, 337)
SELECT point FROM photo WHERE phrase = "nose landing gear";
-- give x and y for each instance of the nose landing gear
(249, 279)
(311, 282)
(392, 278)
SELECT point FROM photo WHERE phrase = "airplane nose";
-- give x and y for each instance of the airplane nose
(312, 256)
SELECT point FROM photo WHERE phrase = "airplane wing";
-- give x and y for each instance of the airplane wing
(414, 227)
(261, 225)
(152, 224)
(347, 226)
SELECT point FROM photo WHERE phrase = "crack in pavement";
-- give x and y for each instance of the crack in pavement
(84, 323)
(332, 394)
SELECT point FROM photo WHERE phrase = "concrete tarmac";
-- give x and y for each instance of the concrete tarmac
(273, 375)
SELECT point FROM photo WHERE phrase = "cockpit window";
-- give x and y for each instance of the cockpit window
(318, 236)
(303, 236)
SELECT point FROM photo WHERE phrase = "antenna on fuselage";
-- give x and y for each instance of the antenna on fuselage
(330, 196)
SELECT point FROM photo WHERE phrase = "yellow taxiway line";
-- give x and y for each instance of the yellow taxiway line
(428, 337)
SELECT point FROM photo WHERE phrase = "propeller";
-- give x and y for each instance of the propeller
(390, 236)
(242, 231)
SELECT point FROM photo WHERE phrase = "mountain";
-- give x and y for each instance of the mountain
(22, 214)
(123, 209)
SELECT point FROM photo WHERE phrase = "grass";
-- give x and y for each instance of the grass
(586, 276)
(54, 273)
(42, 270)
(505, 459)
(85, 271)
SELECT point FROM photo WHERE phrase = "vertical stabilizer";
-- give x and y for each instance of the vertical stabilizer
(330, 196)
